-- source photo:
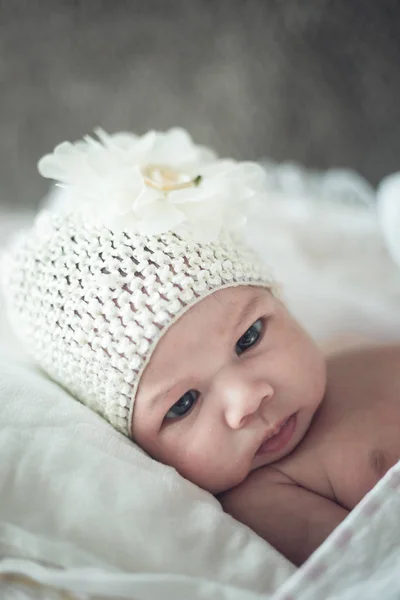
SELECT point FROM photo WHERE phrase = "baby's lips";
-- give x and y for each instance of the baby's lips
(279, 436)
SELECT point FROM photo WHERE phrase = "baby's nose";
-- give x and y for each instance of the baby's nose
(243, 401)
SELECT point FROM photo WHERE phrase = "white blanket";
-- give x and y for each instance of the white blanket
(77, 495)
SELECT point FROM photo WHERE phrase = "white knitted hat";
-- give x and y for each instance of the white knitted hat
(144, 231)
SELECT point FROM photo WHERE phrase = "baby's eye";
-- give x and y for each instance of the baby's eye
(250, 337)
(183, 406)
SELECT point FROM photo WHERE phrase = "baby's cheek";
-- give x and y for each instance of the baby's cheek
(319, 380)
(198, 464)
(312, 363)
(210, 470)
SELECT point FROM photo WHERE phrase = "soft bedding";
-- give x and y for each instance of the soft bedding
(361, 559)
(77, 495)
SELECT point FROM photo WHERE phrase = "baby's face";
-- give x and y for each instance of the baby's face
(221, 381)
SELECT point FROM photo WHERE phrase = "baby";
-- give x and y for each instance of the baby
(138, 296)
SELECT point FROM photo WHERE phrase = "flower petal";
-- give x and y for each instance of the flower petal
(60, 163)
(174, 147)
(251, 175)
(145, 197)
(159, 217)
(144, 147)
(104, 177)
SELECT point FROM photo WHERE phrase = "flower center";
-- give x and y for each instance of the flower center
(167, 179)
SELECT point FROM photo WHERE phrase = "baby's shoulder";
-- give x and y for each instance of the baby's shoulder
(364, 374)
(378, 353)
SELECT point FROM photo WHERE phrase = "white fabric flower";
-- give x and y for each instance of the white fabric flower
(155, 183)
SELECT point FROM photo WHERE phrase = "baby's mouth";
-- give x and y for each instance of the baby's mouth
(279, 436)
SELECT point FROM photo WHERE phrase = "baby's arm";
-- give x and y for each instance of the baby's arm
(292, 519)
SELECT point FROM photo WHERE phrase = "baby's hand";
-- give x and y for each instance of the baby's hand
(291, 518)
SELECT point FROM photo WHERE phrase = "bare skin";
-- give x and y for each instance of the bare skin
(347, 417)
(221, 380)
(352, 442)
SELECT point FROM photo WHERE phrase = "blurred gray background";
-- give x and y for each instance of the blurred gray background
(316, 82)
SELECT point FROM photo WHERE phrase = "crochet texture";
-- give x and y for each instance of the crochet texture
(90, 305)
